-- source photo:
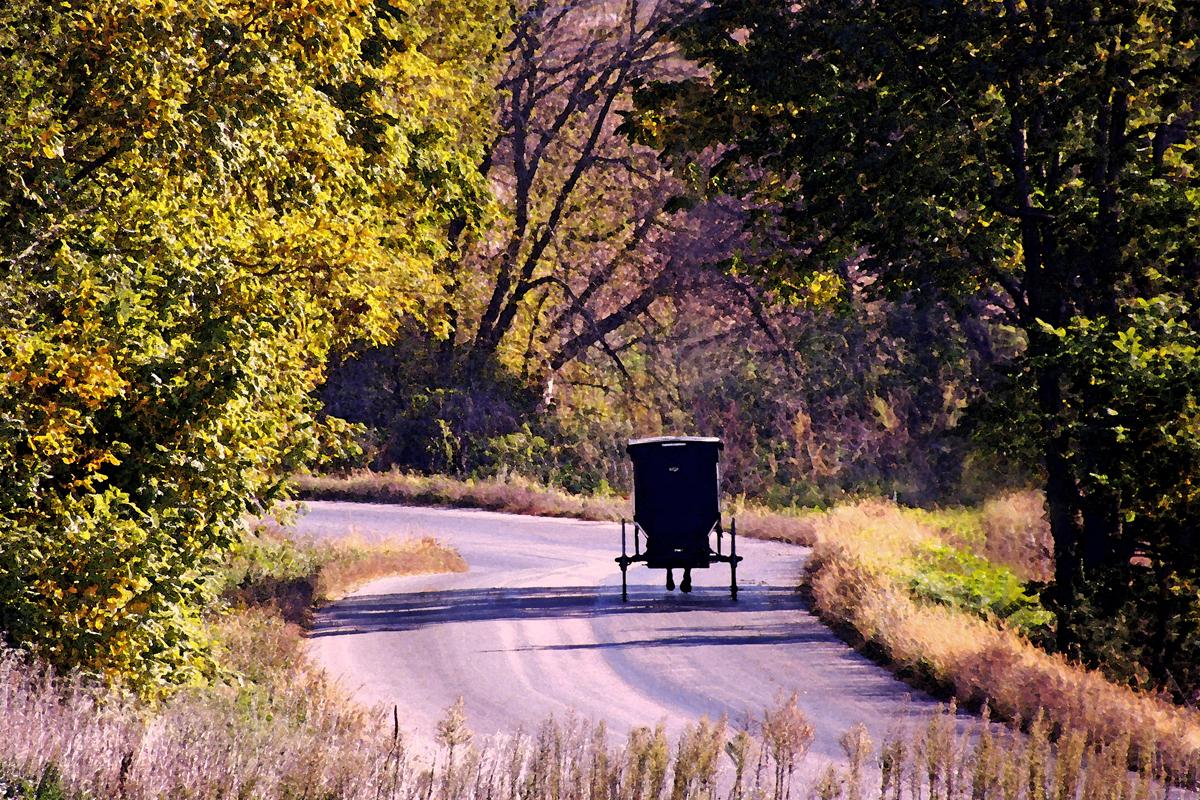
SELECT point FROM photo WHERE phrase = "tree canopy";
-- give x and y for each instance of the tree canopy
(1040, 157)
(198, 200)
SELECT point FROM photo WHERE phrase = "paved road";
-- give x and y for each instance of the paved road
(537, 627)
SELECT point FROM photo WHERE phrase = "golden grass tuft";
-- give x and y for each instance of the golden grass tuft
(293, 574)
(352, 562)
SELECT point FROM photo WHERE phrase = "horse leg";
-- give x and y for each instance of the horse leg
(670, 580)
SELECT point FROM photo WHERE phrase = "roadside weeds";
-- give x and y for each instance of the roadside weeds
(70, 740)
(853, 586)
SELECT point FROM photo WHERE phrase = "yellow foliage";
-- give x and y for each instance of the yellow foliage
(199, 200)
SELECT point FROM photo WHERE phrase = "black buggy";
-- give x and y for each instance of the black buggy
(677, 508)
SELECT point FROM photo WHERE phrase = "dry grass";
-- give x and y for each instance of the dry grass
(854, 586)
(1017, 534)
(513, 495)
(272, 728)
(228, 741)
(794, 527)
(350, 563)
(291, 737)
(516, 495)
(270, 567)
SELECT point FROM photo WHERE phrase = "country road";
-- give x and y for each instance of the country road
(537, 627)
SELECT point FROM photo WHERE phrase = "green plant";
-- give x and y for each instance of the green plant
(946, 574)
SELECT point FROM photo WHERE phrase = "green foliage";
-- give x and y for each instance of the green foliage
(198, 200)
(260, 556)
(480, 424)
(945, 574)
(1135, 416)
(47, 787)
(1037, 160)
(1134, 421)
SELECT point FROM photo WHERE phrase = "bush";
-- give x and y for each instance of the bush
(948, 575)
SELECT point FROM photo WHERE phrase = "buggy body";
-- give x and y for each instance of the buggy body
(677, 509)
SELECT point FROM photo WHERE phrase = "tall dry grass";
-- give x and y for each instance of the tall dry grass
(854, 586)
(64, 738)
(1016, 533)
(218, 743)
(516, 495)
(349, 563)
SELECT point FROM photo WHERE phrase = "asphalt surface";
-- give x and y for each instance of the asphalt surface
(537, 628)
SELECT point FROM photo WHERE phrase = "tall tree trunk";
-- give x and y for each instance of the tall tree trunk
(1062, 510)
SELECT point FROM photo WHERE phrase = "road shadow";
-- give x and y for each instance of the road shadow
(740, 635)
(411, 611)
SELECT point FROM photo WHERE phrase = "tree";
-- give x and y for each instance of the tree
(197, 202)
(588, 235)
(577, 251)
(1044, 151)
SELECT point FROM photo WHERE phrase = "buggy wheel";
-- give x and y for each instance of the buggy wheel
(733, 560)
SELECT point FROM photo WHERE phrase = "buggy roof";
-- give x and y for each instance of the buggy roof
(676, 491)
(676, 439)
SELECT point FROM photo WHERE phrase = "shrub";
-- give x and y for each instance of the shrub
(948, 575)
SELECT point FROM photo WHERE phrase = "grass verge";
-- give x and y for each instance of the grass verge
(865, 579)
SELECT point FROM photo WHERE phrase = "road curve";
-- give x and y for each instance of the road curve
(536, 627)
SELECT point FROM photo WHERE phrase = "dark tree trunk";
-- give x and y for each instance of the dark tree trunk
(1062, 510)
